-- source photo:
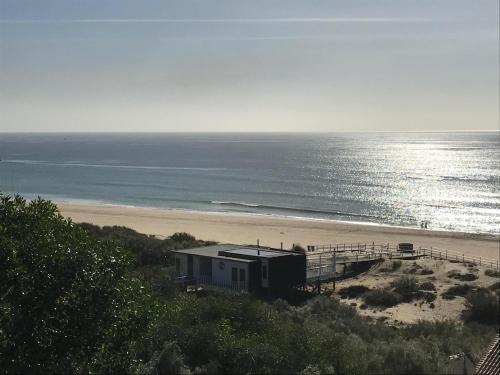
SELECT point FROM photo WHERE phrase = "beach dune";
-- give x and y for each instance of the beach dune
(271, 231)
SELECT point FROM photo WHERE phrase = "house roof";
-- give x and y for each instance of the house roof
(490, 363)
(241, 253)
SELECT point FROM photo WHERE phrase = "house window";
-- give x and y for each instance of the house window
(264, 272)
(242, 275)
(234, 275)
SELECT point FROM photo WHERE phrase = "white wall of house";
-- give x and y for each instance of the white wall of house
(224, 273)
(222, 269)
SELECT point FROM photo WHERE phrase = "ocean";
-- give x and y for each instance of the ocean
(450, 180)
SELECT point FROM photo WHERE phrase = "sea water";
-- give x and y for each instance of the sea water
(449, 180)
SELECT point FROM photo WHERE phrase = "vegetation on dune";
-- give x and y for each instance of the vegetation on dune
(457, 275)
(81, 299)
(482, 306)
(382, 297)
(353, 291)
(68, 301)
(492, 273)
(457, 290)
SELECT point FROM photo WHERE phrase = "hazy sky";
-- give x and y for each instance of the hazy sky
(308, 65)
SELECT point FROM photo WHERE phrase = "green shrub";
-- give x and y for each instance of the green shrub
(353, 291)
(457, 290)
(426, 296)
(299, 248)
(406, 287)
(396, 265)
(482, 306)
(381, 297)
(492, 273)
(426, 271)
(457, 275)
(495, 287)
(68, 303)
(427, 285)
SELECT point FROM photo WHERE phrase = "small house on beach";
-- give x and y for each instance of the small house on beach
(242, 268)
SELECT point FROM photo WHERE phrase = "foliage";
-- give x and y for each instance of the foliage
(492, 273)
(299, 248)
(147, 250)
(427, 285)
(382, 297)
(353, 291)
(457, 275)
(407, 287)
(426, 271)
(73, 303)
(482, 306)
(457, 290)
(68, 302)
(396, 265)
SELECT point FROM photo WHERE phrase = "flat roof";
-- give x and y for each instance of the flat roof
(258, 252)
(213, 252)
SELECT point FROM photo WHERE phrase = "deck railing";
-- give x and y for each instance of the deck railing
(392, 251)
(209, 282)
(456, 256)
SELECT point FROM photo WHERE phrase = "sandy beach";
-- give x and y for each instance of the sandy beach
(271, 231)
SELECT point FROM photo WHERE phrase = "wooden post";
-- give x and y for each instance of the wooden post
(282, 246)
(446, 254)
(479, 260)
(319, 274)
(334, 267)
(463, 258)
(258, 244)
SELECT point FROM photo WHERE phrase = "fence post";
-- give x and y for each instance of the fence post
(446, 254)
(463, 258)
(479, 260)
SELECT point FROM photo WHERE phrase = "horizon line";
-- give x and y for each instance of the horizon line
(253, 132)
(229, 20)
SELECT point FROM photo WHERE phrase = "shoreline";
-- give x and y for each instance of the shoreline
(272, 230)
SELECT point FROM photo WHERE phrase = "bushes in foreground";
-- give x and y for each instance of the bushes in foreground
(482, 306)
(68, 303)
(241, 334)
(72, 304)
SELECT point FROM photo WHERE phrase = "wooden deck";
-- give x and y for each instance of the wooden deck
(323, 261)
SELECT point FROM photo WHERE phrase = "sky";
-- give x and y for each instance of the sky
(260, 65)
